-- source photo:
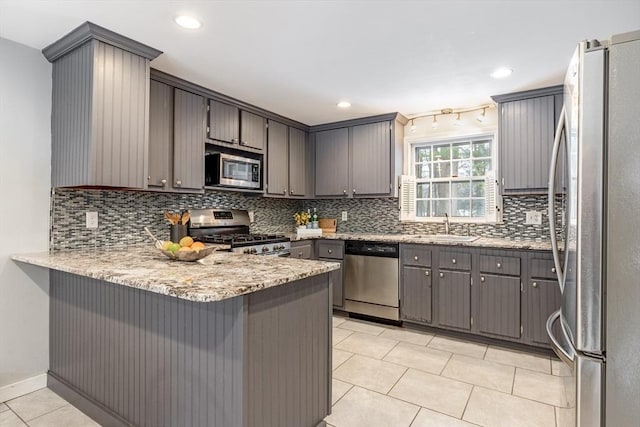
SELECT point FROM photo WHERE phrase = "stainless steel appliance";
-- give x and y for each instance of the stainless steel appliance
(371, 279)
(599, 277)
(231, 227)
(228, 170)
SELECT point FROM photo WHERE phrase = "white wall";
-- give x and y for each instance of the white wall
(25, 171)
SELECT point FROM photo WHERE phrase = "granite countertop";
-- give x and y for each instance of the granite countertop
(216, 277)
(486, 242)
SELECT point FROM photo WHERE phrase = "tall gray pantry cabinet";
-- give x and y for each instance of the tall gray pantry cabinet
(100, 109)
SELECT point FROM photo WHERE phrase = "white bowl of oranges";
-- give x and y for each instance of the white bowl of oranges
(186, 249)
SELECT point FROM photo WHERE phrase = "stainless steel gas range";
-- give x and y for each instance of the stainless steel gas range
(231, 226)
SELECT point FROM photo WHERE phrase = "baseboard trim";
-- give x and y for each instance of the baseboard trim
(23, 387)
(93, 409)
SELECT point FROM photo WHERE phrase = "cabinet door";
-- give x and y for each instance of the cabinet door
(454, 299)
(415, 302)
(526, 141)
(540, 298)
(188, 140)
(336, 281)
(253, 130)
(224, 122)
(160, 135)
(277, 159)
(297, 162)
(332, 162)
(499, 305)
(371, 154)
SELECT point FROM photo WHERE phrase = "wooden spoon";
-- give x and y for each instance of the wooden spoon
(185, 218)
(170, 218)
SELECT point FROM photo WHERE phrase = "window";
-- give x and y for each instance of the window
(451, 178)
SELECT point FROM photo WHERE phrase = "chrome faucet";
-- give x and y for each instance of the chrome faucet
(446, 223)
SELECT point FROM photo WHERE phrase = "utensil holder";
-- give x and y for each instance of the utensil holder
(177, 232)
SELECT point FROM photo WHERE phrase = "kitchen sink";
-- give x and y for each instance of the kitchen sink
(447, 238)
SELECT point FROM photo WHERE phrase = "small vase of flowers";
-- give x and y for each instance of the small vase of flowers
(302, 219)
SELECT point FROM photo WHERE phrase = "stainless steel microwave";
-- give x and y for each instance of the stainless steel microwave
(227, 170)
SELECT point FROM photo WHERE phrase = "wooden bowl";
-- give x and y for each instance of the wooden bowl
(189, 256)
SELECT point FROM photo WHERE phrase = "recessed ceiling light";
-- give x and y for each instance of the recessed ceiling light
(344, 104)
(189, 22)
(502, 72)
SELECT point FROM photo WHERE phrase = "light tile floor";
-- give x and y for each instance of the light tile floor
(386, 376)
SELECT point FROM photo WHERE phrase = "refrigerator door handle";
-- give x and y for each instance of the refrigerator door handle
(567, 355)
(551, 196)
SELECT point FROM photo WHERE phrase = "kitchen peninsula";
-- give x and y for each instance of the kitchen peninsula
(231, 340)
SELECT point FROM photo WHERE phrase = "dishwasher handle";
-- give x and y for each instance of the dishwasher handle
(368, 248)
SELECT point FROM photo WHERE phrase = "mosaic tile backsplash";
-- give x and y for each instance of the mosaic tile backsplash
(124, 214)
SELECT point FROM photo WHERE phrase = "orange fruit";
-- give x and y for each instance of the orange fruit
(196, 246)
(185, 249)
(186, 241)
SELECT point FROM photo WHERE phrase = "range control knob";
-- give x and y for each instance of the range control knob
(247, 251)
(254, 251)
(265, 249)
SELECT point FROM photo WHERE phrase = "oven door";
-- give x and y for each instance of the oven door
(236, 171)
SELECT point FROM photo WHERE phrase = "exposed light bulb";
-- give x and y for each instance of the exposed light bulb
(413, 126)
(457, 121)
(481, 117)
(344, 104)
(188, 22)
(434, 124)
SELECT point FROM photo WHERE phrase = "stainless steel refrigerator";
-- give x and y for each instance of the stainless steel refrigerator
(599, 337)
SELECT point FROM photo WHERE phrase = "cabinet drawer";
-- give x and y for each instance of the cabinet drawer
(301, 251)
(416, 255)
(333, 250)
(455, 260)
(543, 268)
(500, 265)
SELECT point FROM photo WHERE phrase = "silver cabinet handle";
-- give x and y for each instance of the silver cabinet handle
(453, 260)
(482, 279)
(164, 182)
(284, 191)
(426, 273)
(441, 274)
(344, 192)
(354, 191)
(329, 251)
(243, 142)
(498, 265)
(149, 178)
(234, 140)
(300, 254)
(178, 183)
(291, 191)
(415, 258)
(535, 284)
(553, 269)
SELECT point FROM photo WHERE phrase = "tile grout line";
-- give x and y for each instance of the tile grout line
(467, 403)
(397, 381)
(445, 365)
(390, 350)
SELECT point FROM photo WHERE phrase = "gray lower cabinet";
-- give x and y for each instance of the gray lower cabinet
(333, 251)
(160, 136)
(499, 305)
(302, 249)
(188, 140)
(416, 297)
(526, 131)
(540, 297)
(454, 299)
(332, 162)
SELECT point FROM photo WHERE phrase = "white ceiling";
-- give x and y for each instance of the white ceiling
(299, 58)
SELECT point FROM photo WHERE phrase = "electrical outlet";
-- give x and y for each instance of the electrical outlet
(344, 215)
(533, 218)
(92, 219)
(251, 213)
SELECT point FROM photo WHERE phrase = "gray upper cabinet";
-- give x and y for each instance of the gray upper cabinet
(253, 130)
(100, 109)
(526, 131)
(371, 154)
(277, 159)
(189, 136)
(298, 162)
(224, 122)
(332, 162)
(160, 136)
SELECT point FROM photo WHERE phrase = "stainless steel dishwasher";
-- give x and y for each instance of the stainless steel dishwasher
(371, 279)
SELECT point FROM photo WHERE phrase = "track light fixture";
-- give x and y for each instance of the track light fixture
(482, 117)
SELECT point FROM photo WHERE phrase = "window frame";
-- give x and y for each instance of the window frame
(413, 142)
